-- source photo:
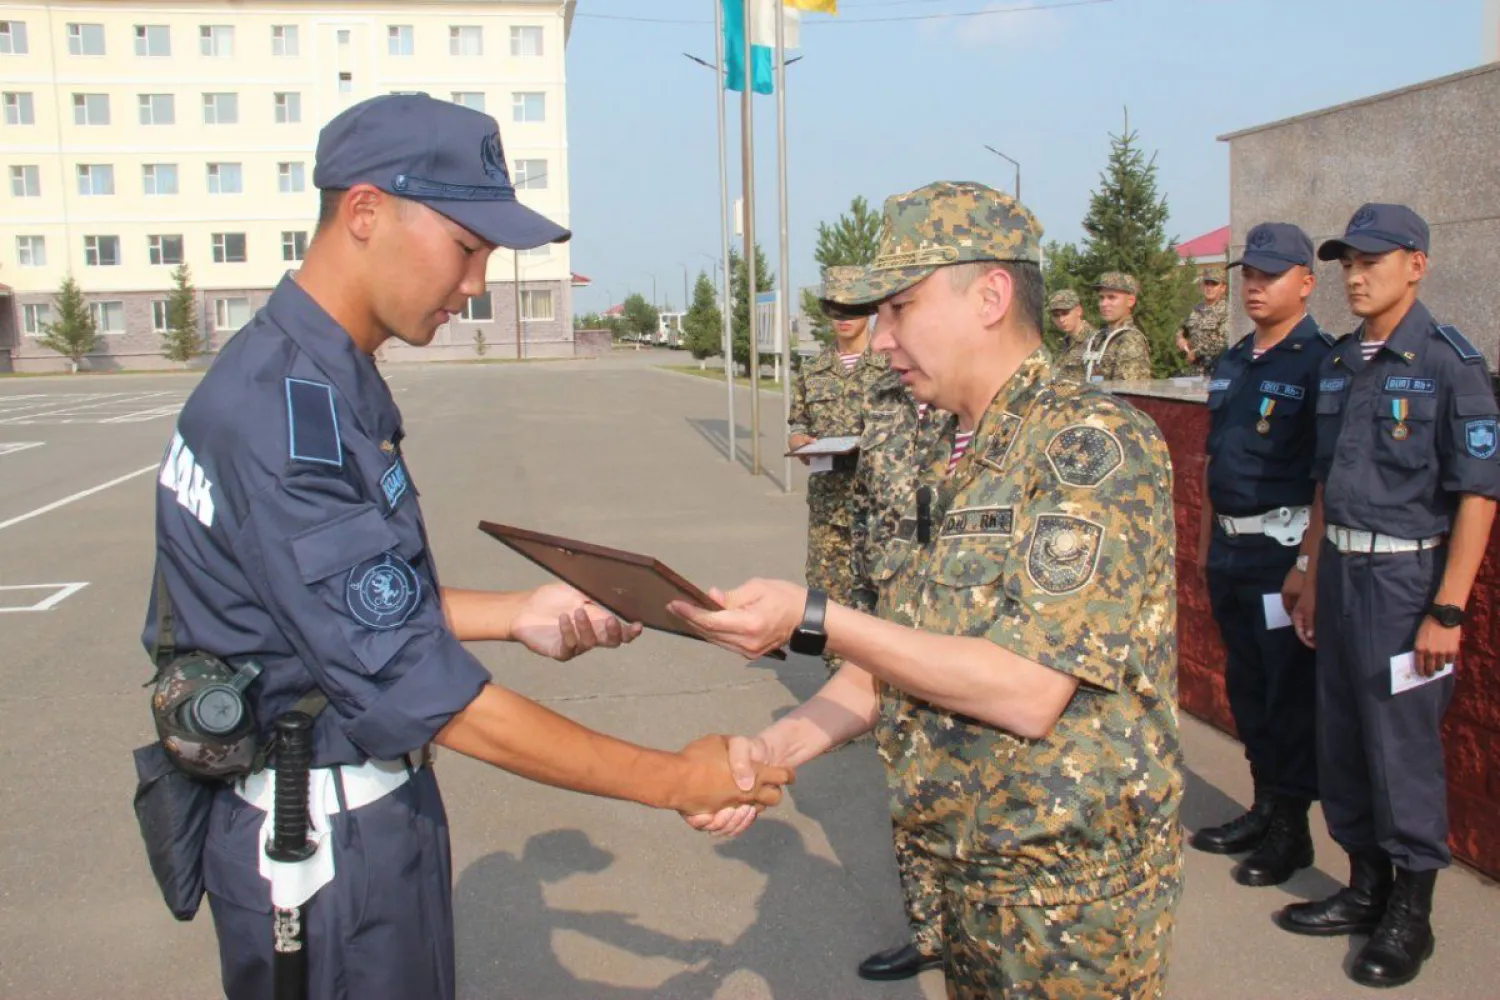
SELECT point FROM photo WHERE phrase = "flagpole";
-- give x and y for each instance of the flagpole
(747, 168)
(726, 302)
(785, 281)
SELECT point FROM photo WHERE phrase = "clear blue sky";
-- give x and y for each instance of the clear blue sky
(879, 108)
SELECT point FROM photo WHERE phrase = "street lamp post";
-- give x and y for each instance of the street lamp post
(1013, 163)
(684, 286)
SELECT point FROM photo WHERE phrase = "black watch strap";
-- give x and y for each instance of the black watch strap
(809, 637)
(1447, 615)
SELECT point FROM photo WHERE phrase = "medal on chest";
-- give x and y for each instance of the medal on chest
(1267, 405)
(1399, 410)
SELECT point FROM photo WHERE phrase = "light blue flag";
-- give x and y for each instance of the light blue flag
(761, 78)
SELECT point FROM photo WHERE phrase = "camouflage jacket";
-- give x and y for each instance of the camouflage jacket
(1206, 330)
(1053, 539)
(827, 401)
(895, 438)
(1072, 364)
(1119, 354)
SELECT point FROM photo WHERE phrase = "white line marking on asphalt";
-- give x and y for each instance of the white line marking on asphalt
(11, 447)
(140, 416)
(78, 496)
(63, 592)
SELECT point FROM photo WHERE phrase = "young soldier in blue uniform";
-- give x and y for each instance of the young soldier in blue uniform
(1407, 459)
(1259, 494)
(288, 530)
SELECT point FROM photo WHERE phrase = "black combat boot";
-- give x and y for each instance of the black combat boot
(900, 962)
(1353, 910)
(1244, 832)
(1395, 952)
(1286, 849)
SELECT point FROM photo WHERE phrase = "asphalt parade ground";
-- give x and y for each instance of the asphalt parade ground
(557, 896)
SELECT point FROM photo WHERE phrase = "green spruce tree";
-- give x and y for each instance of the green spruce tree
(853, 238)
(74, 333)
(180, 341)
(741, 328)
(703, 326)
(640, 316)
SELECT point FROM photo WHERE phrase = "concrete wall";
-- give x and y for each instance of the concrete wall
(1434, 147)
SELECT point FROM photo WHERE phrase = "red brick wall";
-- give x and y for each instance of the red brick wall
(1472, 727)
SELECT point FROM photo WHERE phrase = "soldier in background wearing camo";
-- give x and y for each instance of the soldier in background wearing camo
(828, 400)
(1066, 311)
(1120, 352)
(1205, 333)
(1023, 682)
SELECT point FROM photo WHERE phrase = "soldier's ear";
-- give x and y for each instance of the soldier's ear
(997, 295)
(359, 210)
(1416, 265)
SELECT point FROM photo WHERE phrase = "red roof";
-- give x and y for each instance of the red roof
(1214, 244)
(581, 280)
(615, 311)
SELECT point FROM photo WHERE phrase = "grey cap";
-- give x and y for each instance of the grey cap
(443, 155)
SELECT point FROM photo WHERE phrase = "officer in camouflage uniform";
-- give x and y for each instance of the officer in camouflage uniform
(1024, 684)
(828, 400)
(1205, 333)
(1067, 315)
(1120, 351)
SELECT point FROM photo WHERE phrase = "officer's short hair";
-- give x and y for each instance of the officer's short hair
(328, 205)
(1026, 279)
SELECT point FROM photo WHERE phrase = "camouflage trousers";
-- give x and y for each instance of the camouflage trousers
(922, 891)
(830, 566)
(1105, 949)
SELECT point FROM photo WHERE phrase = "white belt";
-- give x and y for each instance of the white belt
(1352, 541)
(294, 883)
(1286, 525)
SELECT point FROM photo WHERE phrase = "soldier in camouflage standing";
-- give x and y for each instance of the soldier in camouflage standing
(828, 401)
(1067, 315)
(1205, 333)
(1023, 682)
(1120, 352)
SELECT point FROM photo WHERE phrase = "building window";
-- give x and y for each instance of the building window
(291, 178)
(529, 107)
(344, 38)
(479, 309)
(101, 251)
(25, 182)
(35, 318)
(109, 317)
(159, 178)
(19, 108)
(288, 108)
(346, 83)
(225, 178)
(13, 38)
(221, 109)
(153, 40)
(469, 99)
(159, 322)
(96, 179)
(31, 251)
(86, 39)
(526, 41)
(229, 248)
(158, 109)
(466, 40)
(400, 40)
(285, 40)
(536, 304)
(164, 249)
(90, 109)
(231, 313)
(530, 175)
(216, 40)
(293, 245)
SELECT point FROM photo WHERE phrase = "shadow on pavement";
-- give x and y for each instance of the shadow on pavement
(713, 431)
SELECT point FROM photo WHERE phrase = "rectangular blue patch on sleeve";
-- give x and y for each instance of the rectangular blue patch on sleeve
(1401, 383)
(394, 484)
(1219, 384)
(1332, 384)
(312, 423)
(1283, 389)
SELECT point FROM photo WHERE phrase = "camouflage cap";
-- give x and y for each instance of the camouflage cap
(1214, 274)
(949, 222)
(1063, 301)
(837, 281)
(1116, 281)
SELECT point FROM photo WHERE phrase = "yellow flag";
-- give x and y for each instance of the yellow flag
(816, 6)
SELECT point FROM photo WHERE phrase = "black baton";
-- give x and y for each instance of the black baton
(289, 843)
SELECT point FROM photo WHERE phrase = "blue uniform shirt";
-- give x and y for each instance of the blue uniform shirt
(1400, 438)
(1250, 471)
(289, 531)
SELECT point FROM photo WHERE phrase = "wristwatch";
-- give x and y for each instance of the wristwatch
(809, 637)
(1302, 563)
(1446, 615)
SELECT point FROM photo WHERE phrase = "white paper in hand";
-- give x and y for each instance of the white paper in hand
(1276, 616)
(1404, 674)
(820, 463)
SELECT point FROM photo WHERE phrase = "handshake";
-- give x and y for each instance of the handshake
(740, 781)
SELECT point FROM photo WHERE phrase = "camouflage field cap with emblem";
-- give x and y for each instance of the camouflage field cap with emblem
(1212, 275)
(1116, 281)
(949, 222)
(834, 295)
(1063, 301)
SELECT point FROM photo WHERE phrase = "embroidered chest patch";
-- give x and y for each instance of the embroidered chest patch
(1283, 389)
(1399, 383)
(1064, 553)
(973, 522)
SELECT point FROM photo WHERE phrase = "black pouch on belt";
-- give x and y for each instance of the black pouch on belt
(172, 810)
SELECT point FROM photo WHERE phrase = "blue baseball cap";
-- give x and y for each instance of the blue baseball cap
(1276, 247)
(1379, 228)
(443, 155)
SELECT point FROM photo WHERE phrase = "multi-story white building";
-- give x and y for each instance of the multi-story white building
(139, 134)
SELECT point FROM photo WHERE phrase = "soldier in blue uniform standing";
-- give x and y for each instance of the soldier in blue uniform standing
(1407, 460)
(289, 530)
(1255, 545)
